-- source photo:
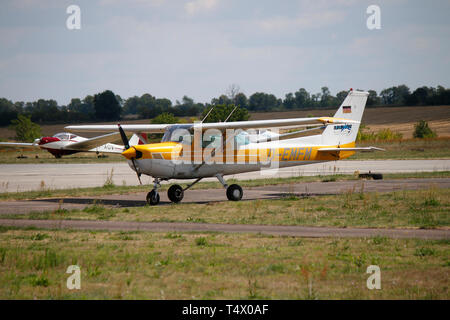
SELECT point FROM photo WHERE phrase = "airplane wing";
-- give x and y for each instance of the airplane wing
(160, 128)
(89, 144)
(136, 128)
(363, 149)
(18, 145)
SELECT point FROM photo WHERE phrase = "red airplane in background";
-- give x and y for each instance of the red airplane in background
(65, 143)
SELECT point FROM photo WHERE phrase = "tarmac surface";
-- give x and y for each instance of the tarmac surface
(25, 177)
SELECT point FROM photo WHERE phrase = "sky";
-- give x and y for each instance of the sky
(199, 48)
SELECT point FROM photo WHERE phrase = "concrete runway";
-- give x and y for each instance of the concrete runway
(24, 177)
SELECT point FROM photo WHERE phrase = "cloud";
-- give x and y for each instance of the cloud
(132, 2)
(32, 4)
(196, 6)
(302, 22)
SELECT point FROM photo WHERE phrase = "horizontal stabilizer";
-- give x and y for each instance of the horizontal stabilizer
(363, 149)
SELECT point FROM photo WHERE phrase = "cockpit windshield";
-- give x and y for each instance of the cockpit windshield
(65, 136)
(178, 133)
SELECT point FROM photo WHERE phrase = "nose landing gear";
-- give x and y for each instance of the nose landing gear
(153, 196)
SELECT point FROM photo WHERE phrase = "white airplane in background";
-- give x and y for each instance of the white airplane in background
(66, 143)
(197, 151)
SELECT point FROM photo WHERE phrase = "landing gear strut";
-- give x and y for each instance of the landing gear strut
(153, 196)
(234, 192)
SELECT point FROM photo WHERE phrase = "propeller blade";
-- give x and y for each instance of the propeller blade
(137, 172)
(126, 144)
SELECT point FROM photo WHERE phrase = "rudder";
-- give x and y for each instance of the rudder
(352, 108)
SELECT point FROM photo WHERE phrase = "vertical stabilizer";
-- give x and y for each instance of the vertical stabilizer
(352, 108)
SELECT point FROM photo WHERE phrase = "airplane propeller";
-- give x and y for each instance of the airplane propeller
(126, 144)
(37, 141)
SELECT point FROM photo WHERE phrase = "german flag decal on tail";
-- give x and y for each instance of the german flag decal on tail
(347, 109)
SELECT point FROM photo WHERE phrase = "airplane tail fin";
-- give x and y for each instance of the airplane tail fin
(352, 108)
(136, 139)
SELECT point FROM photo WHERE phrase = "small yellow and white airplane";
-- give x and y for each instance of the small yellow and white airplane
(200, 150)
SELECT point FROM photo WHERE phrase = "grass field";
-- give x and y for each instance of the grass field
(138, 265)
(406, 149)
(416, 209)
(146, 265)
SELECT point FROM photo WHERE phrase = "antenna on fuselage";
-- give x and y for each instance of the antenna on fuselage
(208, 114)
(230, 114)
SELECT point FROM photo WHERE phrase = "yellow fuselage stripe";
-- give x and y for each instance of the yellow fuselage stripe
(177, 151)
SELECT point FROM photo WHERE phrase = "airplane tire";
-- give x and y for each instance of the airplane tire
(175, 193)
(234, 192)
(377, 176)
(153, 198)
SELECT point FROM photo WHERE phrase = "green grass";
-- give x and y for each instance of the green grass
(438, 148)
(231, 266)
(108, 189)
(427, 208)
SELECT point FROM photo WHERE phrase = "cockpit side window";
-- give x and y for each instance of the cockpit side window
(241, 139)
(62, 136)
(177, 134)
(212, 138)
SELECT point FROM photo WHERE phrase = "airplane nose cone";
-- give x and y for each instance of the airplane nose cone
(129, 153)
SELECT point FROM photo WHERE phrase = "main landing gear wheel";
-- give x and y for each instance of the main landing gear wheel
(175, 193)
(234, 192)
(153, 198)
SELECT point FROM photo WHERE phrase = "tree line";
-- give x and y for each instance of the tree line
(107, 106)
